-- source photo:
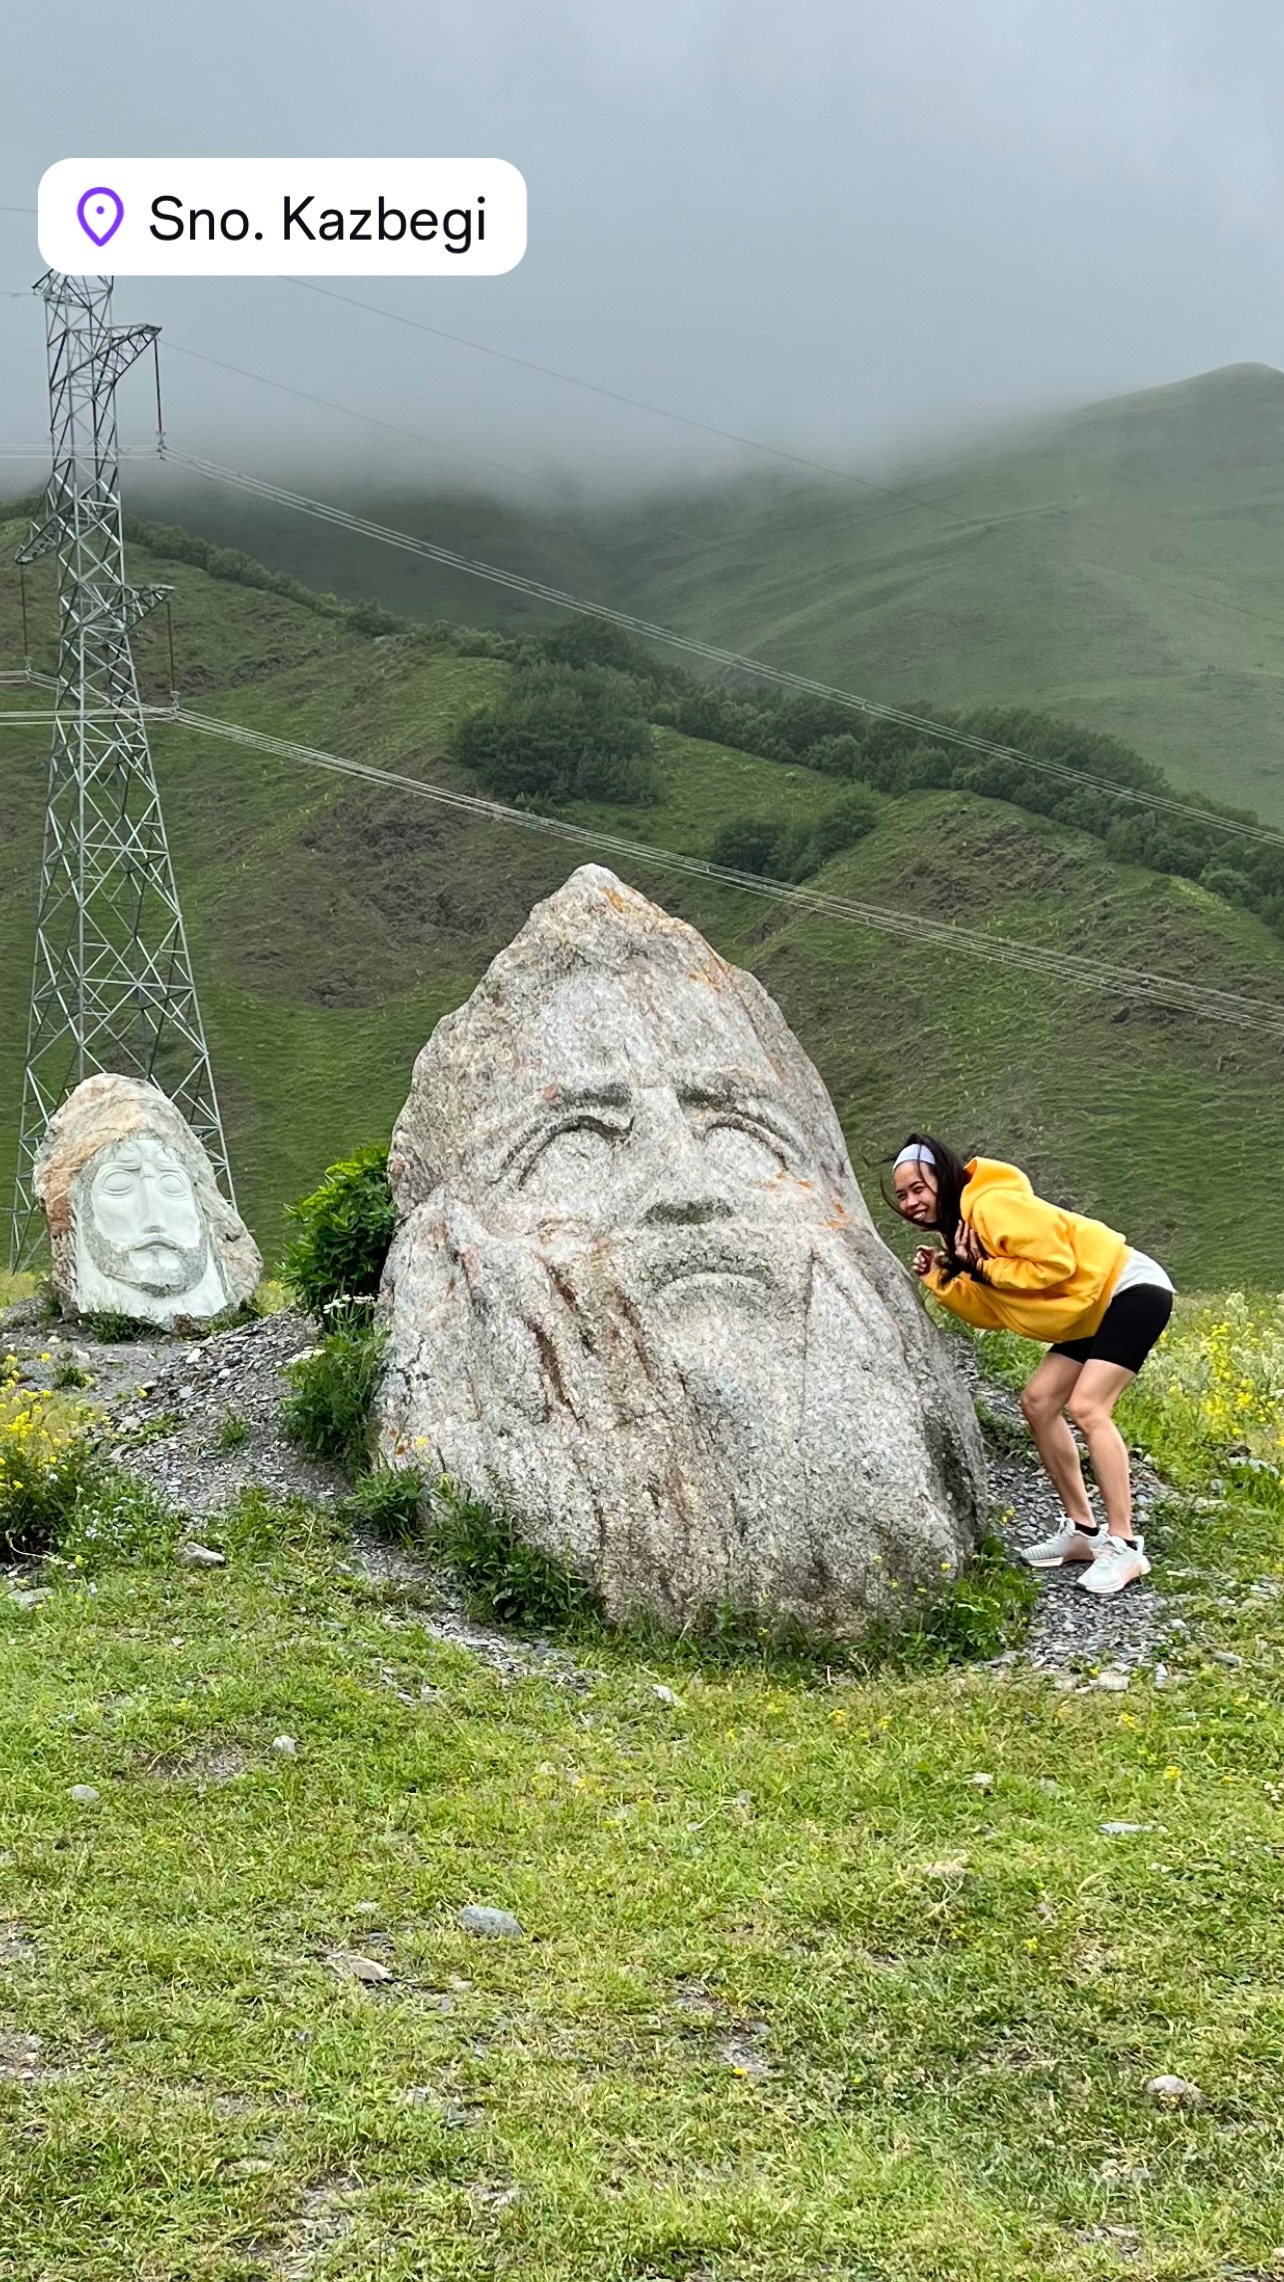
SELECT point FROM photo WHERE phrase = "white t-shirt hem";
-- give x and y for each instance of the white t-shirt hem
(1139, 1268)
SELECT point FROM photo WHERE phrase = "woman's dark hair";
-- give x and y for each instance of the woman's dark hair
(951, 1180)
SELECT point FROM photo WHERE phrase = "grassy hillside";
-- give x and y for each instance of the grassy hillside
(332, 924)
(1118, 566)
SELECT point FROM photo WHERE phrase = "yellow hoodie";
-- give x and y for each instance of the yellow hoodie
(1046, 1273)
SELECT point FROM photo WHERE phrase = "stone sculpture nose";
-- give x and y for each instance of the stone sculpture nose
(684, 1189)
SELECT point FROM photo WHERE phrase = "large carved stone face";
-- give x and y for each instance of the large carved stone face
(143, 1225)
(637, 1299)
(657, 1129)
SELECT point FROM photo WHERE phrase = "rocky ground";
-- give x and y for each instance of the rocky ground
(1071, 1630)
(201, 1420)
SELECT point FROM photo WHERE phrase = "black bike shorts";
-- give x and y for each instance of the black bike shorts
(1127, 1331)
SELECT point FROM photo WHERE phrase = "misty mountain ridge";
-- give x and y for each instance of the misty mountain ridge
(1116, 565)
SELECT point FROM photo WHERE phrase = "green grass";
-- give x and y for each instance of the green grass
(797, 1998)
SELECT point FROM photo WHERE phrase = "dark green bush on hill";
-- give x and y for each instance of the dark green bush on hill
(564, 733)
(852, 815)
(1233, 886)
(345, 1228)
(173, 544)
(777, 851)
(752, 844)
(899, 757)
(596, 642)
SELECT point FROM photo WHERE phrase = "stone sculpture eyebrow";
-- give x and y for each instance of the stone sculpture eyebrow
(554, 1106)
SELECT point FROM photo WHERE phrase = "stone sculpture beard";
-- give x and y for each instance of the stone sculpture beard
(709, 1371)
(158, 1265)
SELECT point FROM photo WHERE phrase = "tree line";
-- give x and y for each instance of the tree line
(575, 723)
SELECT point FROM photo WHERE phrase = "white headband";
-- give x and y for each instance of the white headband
(915, 1153)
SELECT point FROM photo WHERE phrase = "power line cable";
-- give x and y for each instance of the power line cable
(639, 404)
(1053, 962)
(1057, 964)
(287, 388)
(893, 491)
(646, 629)
(350, 412)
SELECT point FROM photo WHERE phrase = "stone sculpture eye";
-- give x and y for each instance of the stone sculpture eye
(565, 1166)
(173, 1184)
(120, 1183)
(745, 1155)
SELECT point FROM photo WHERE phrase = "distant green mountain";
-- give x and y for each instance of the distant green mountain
(333, 923)
(1121, 566)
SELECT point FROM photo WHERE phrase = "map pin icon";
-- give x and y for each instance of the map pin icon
(100, 213)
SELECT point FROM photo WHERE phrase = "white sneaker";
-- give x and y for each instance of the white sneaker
(1118, 1563)
(1069, 1543)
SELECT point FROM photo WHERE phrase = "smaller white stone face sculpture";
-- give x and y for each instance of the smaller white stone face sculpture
(137, 1225)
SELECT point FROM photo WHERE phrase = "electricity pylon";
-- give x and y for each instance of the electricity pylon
(112, 986)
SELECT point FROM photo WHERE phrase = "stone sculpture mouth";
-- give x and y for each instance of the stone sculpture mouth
(714, 1263)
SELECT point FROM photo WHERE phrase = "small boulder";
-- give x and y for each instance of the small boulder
(1174, 2092)
(498, 1925)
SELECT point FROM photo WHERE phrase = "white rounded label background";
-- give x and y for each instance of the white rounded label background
(274, 217)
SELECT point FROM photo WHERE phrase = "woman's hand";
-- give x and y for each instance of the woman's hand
(925, 1259)
(967, 1246)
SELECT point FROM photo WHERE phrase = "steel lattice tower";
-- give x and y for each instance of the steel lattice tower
(112, 987)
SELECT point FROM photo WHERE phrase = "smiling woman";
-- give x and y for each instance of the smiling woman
(1010, 1261)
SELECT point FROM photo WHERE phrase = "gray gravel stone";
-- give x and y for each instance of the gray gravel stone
(501, 1925)
(1175, 2092)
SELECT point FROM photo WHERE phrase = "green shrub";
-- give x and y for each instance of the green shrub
(837, 756)
(778, 851)
(345, 1228)
(113, 1330)
(47, 1468)
(327, 1411)
(233, 1431)
(753, 844)
(504, 1577)
(564, 733)
(61, 1496)
(1232, 886)
(983, 1610)
(69, 1374)
(390, 1500)
(851, 816)
(596, 642)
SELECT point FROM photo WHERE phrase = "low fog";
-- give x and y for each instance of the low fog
(839, 231)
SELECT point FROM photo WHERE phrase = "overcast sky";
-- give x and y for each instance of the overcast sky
(837, 226)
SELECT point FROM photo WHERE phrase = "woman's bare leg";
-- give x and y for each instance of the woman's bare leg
(1043, 1400)
(1091, 1405)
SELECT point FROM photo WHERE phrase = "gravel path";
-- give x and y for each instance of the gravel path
(200, 1420)
(1070, 1630)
